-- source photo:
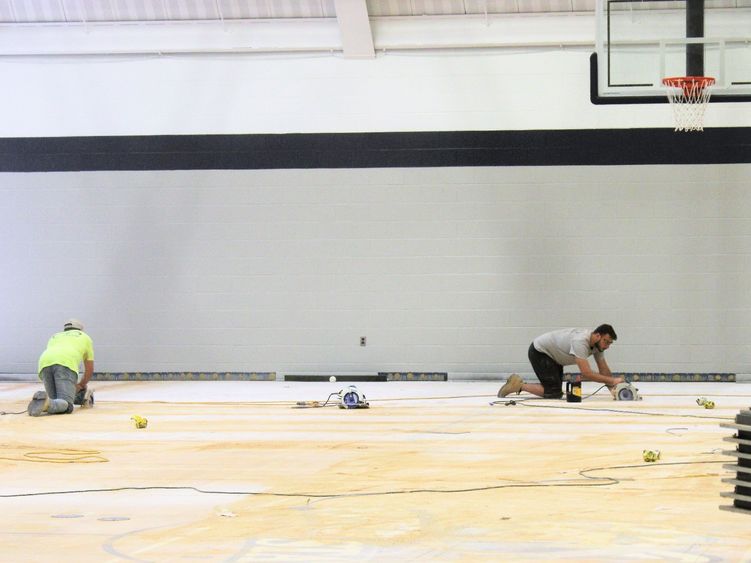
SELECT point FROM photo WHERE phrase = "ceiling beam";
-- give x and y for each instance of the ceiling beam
(354, 27)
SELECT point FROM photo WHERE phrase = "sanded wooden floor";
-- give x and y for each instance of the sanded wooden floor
(229, 471)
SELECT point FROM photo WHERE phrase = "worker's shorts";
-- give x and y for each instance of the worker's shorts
(548, 371)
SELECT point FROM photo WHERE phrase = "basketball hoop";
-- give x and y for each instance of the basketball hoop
(689, 96)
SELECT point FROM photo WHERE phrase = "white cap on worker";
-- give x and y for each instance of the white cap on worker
(73, 324)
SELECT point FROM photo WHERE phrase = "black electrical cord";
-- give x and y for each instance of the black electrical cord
(630, 412)
(315, 404)
(599, 482)
(583, 472)
(512, 402)
(595, 393)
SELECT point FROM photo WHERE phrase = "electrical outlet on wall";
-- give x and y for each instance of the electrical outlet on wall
(363, 340)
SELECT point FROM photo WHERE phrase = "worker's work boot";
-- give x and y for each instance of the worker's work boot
(512, 385)
(38, 404)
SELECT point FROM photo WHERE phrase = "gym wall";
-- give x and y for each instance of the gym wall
(180, 258)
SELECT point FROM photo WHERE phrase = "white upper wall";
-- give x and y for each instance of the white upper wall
(529, 77)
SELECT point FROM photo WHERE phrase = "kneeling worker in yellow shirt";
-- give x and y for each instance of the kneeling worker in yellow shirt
(58, 370)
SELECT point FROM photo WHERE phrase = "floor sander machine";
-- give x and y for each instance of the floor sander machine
(351, 398)
(348, 398)
(621, 392)
(625, 392)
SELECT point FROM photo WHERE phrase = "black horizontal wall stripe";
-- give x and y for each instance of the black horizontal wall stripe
(372, 150)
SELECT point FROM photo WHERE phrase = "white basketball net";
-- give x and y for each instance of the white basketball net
(689, 96)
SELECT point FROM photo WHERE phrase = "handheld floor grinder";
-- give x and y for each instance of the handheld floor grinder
(351, 398)
(625, 392)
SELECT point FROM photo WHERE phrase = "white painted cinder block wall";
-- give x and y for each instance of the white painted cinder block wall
(442, 269)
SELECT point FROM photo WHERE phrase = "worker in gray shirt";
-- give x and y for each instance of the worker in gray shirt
(551, 351)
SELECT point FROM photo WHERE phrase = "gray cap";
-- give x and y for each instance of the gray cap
(73, 324)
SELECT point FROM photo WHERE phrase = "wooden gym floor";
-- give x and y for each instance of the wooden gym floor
(230, 471)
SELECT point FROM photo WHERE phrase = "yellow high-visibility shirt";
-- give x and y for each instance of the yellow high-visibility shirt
(68, 348)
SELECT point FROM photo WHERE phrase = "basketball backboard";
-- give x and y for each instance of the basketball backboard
(640, 42)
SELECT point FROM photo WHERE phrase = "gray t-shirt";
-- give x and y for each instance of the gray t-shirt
(566, 344)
